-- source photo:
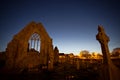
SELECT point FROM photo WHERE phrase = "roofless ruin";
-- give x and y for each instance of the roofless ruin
(29, 48)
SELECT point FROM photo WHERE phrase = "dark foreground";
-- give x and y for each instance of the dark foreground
(61, 72)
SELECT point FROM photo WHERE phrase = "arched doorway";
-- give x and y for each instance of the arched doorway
(34, 42)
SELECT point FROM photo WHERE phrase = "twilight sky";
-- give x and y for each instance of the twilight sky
(72, 24)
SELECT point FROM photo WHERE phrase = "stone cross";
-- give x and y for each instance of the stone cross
(103, 40)
(109, 70)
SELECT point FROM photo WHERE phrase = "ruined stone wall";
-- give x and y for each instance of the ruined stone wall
(17, 49)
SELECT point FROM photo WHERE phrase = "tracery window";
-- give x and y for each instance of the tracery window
(34, 42)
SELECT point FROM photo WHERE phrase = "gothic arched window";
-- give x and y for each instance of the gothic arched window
(34, 42)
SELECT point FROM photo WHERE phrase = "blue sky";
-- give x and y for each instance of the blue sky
(72, 24)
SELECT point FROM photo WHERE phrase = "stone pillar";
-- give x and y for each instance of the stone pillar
(103, 40)
(56, 54)
(51, 56)
(46, 53)
(42, 51)
(37, 44)
(78, 64)
(34, 43)
(109, 70)
(31, 44)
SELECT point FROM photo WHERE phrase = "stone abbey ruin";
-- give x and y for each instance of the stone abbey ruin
(31, 47)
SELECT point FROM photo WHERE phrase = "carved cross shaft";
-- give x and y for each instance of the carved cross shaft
(103, 40)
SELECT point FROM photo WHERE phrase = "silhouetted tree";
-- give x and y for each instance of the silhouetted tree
(99, 55)
(85, 54)
(115, 52)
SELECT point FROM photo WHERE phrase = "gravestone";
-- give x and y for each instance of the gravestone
(56, 55)
(78, 64)
(109, 70)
